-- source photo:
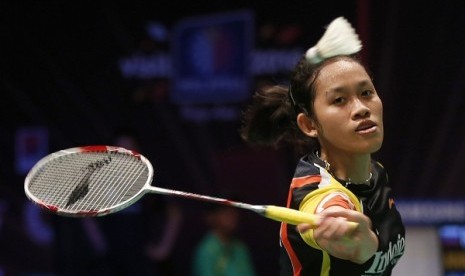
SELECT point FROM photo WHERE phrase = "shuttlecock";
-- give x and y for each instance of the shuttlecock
(339, 39)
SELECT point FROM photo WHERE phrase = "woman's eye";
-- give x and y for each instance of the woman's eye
(339, 100)
(367, 93)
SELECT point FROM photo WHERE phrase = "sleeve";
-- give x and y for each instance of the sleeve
(332, 195)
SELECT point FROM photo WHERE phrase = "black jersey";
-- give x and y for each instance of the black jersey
(312, 189)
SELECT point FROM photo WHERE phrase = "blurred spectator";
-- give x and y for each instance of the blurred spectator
(25, 236)
(221, 252)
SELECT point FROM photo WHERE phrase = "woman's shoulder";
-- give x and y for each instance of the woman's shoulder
(308, 165)
(379, 172)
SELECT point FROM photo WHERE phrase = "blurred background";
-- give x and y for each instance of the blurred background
(178, 74)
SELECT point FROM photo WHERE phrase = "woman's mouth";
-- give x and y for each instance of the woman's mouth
(366, 127)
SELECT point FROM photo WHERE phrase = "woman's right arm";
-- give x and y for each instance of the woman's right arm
(334, 235)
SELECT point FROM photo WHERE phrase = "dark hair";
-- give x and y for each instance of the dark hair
(271, 118)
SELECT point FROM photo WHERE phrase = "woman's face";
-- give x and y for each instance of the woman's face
(348, 109)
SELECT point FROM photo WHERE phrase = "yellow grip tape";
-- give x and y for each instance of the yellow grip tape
(295, 217)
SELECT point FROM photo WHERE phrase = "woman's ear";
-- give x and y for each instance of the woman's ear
(306, 125)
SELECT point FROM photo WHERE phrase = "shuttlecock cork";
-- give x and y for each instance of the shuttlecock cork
(339, 39)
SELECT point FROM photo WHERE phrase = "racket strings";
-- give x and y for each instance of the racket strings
(122, 178)
(110, 183)
(54, 181)
(103, 191)
(80, 183)
(94, 172)
(99, 180)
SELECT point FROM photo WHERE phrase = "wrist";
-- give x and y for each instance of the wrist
(367, 249)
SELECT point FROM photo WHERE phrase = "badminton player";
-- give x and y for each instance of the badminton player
(332, 113)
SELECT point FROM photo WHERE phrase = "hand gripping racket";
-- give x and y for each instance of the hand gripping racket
(99, 180)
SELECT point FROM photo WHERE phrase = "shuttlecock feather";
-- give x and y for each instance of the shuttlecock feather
(339, 39)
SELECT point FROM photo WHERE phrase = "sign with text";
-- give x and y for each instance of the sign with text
(211, 57)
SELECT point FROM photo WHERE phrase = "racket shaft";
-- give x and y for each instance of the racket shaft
(164, 191)
(273, 212)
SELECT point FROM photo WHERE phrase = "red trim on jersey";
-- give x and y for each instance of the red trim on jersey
(301, 181)
(296, 265)
(337, 201)
(296, 183)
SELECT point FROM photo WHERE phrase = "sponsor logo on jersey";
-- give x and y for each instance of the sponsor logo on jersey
(385, 258)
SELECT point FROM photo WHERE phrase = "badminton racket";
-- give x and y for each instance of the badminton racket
(99, 180)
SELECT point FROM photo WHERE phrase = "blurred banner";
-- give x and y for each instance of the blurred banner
(211, 59)
(31, 144)
(445, 220)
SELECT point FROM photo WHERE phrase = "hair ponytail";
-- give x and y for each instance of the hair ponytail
(271, 120)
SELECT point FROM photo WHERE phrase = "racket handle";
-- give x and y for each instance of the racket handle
(295, 217)
(290, 216)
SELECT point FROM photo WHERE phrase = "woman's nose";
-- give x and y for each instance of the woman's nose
(360, 109)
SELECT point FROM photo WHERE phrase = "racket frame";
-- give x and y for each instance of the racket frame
(89, 213)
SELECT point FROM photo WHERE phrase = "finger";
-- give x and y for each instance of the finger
(334, 228)
(350, 215)
(304, 227)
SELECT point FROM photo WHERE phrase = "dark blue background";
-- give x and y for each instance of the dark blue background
(59, 70)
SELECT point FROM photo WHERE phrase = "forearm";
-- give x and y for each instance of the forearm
(367, 247)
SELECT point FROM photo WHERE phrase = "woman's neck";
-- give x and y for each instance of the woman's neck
(353, 168)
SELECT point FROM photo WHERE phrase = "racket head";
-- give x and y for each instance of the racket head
(88, 181)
